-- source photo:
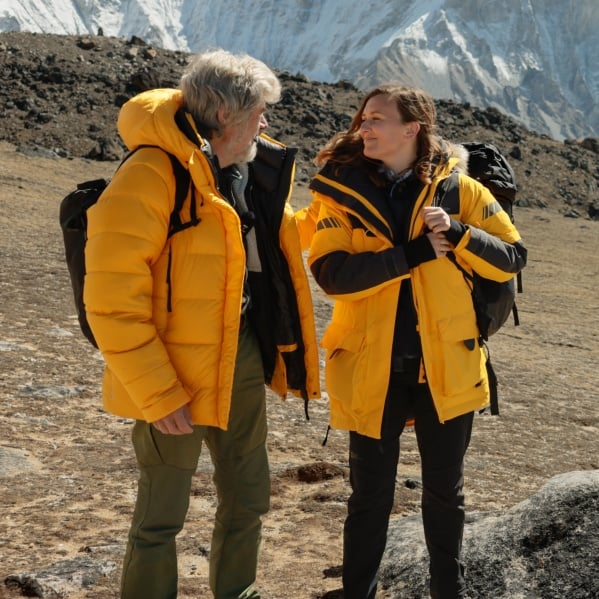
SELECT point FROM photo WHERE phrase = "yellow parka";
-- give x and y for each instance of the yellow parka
(352, 221)
(166, 312)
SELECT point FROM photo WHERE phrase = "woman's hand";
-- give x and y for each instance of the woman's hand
(439, 243)
(436, 219)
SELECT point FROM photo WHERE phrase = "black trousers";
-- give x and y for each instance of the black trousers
(373, 470)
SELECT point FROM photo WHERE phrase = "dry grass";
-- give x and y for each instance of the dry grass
(79, 486)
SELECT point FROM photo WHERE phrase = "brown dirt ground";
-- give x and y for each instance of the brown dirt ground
(80, 485)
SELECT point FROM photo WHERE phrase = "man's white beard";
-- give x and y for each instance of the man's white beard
(249, 154)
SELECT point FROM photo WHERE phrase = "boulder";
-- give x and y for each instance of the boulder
(546, 547)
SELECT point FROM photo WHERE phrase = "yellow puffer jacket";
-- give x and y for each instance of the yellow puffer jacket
(366, 282)
(166, 313)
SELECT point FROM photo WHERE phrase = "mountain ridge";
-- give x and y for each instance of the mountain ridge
(532, 59)
(63, 93)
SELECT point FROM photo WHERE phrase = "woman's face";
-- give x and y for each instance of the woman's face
(385, 136)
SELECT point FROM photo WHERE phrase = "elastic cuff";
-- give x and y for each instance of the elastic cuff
(455, 232)
(419, 250)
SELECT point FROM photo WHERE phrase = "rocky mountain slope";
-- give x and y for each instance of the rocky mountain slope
(532, 59)
(63, 93)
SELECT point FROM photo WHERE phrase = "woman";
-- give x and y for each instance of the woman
(403, 342)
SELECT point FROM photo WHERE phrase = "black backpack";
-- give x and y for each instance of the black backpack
(493, 302)
(73, 222)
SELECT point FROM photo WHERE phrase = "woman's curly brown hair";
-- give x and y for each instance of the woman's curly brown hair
(414, 105)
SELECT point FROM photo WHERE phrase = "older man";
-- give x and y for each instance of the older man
(193, 324)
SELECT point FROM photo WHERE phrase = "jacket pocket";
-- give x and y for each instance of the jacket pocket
(459, 354)
(338, 338)
(345, 366)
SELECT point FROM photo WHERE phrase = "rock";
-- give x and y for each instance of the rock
(37, 152)
(572, 213)
(15, 462)
(544, 547)
(63, 578)
(318, 471)
(591, 143)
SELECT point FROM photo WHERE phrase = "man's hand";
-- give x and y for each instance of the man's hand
(436, 219)
(176, 423)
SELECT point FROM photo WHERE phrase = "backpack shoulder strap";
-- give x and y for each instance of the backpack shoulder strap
(183, 185)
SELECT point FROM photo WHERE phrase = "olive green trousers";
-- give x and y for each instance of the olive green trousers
(241, 476)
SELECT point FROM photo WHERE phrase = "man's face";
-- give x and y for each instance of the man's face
(238, 141)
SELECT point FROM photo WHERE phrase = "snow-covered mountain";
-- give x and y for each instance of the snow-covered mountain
(535, 60)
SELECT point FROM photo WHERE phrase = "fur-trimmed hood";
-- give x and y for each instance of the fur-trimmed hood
(455, 156)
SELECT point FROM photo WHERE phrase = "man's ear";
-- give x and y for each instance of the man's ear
(222, 116)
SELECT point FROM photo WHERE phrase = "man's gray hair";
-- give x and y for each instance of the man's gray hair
(236, 82)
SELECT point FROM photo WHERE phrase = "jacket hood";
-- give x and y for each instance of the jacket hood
(149, 119)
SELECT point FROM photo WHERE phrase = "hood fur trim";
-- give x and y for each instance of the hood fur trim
(458, 155)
